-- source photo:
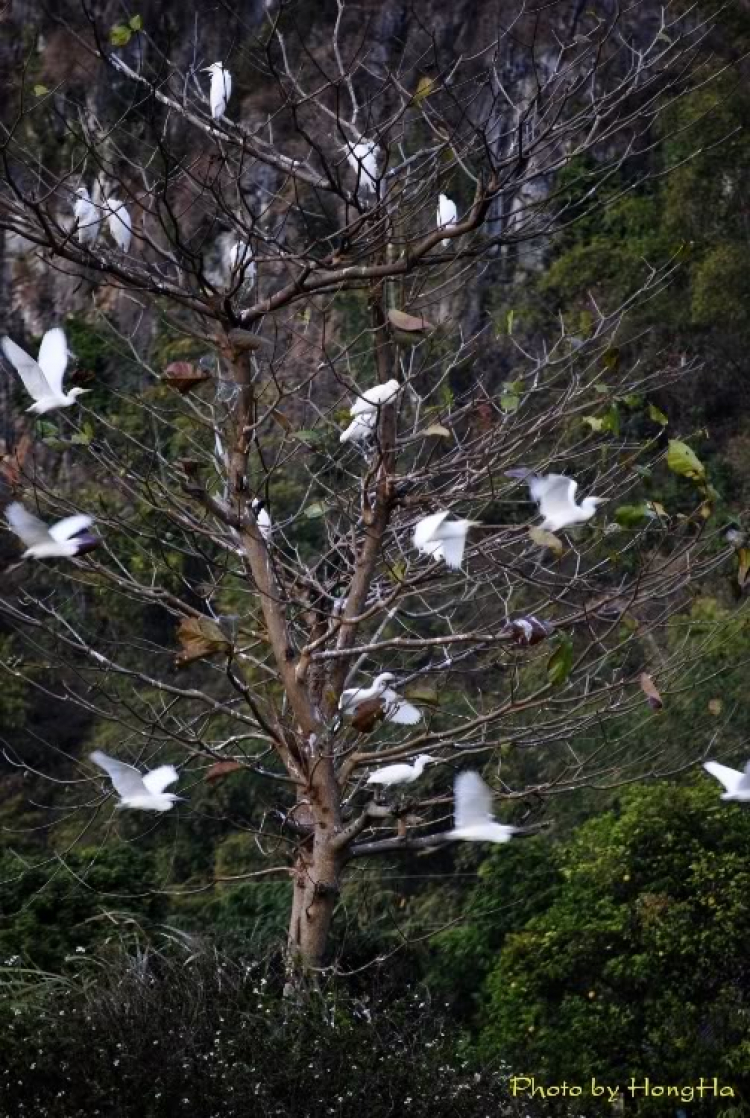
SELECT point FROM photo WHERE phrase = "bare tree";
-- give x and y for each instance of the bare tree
(283, 262)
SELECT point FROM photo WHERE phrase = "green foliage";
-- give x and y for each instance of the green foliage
(637, 962)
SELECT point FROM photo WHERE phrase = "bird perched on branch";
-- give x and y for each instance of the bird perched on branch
(43, 378)
(141, 791)
(396, 708)
(737, 784)
(446, 215)
(555, 495)
(221, 88)
(119, 223)
(400, 774)
(363, 157)
(262, 518)
(365, 410)
(88, 217)
(473, 812)
(242, 263)
(66, 539)
(442, 539)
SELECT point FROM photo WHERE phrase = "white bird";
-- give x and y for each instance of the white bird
(66, 539)
(221, 88)
(142, 791)
(400, 774)
(446, 215)
(362, 427)
(242, 263)
(119, 223)
(555, 495)
(376, 397)
(43, 378)
(88, 218)
(362, 157)
(396, 709)
(262, 518)
(473, 812)
(442, 539)
(737, 784)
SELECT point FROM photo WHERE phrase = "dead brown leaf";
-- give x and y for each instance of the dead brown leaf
(184, 376)
(650, 690)
(200, 637)
(222, 768)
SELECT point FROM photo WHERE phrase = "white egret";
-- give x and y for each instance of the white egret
(396, 709)
(737, 784)
(442, 539)
(446, 215)
(221, 88)
(362, 157)
(142, 791)
(362, 427)
(242, 263)
(43, 378)
(66, 539)
(555, 495)
(119, 223)
(473, 812)
(88, 217)
(376, 397)
(262, 518)
(400, 774)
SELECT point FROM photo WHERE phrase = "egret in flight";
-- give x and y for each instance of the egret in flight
(737, 784)
(43, 378)
(67, 539)
(141, 791)
(442, 539)
(555, 495)
(473, 812)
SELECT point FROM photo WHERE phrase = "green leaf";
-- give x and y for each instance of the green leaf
(425, 87)
(684, 461)
(439, 430)
(135, 23)
(595, 422)
(601, 388)
(309, 436)
(509, 321)
(315, 510)
(632, 400)
(632, 516)
(610, 421)
(40, 90)
(509, 402)
(561, 661)
(120, 35)
(656, 415)
(398, 571)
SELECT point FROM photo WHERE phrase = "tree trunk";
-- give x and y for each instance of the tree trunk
(316, 891)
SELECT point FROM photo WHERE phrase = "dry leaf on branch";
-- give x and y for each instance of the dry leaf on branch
(184, 377)
(222, 768)
(650, 690)
(547, 539)
(368, 715)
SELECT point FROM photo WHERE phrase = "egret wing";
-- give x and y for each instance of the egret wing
(158, 779)
(70, 526)
(555, 495)
(28, 370)
(399, 711)
(730, 778)
(452, 548)
(126, 780)
(29, 528)
(53, 358)
(425, 529)
(473, 800)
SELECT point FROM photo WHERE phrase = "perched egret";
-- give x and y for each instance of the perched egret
(262, 518)
(221, 88)
(88, 218)
(446, 215)
(400, 774)
(43, 378)
(737, 784)
(376, 397)
(242, 263)
(555, 495)
(473, 812)
(142, 791)
(119, 223)
(396, 708)
(362, 157)
(442, 539)
(66, 539)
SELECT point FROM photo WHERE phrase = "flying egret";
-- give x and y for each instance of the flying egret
(446, 215)
(396, 709)
(242, 263)
(88, 218)
(362, 157)
(142, 791)
(66, 539)
(119, 223)
(737, 784)
(555, 495)
(262, 518)
(221, 88)
(400, 774)
(43, 378)
(473, 812)
(442, 539)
